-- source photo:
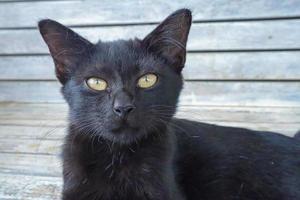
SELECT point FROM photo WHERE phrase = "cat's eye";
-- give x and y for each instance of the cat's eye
(96, 83)
(147, 81)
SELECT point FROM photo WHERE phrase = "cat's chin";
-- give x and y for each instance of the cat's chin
(124, 128)
(125, 134)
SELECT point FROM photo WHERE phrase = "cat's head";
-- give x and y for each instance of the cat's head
(125, 89)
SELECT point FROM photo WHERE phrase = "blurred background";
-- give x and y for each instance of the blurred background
(243, 69)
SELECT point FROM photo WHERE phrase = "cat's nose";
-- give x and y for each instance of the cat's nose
(123, 111)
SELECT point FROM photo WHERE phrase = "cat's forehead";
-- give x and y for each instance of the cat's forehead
(118, 52)
(123, 57)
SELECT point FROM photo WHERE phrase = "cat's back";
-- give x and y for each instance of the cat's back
(216, 162)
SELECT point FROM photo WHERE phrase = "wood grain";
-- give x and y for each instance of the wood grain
(288, 129)
(30, 167)
(242, 70)
(39, 112)
(40, 157)
(45, 146)
(41, 122)
(199, 66)
(39, 163)
(32, 146)
(262, 35)
(31, 164)
(128, 12)
(29, 155)
(196, 93)
(26, 187)
(21, 131)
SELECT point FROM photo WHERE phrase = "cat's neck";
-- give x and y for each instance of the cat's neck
(94, 161)
(84, 146)
(101, 165)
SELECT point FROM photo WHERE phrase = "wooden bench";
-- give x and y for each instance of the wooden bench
(243, 69)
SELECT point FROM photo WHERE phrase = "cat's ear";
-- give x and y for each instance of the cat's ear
(170, 37)
(66, 47)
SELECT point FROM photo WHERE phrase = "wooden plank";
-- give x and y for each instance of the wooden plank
(262, 35)
(39, 112)
(15, 131)
(33, 111)
(28, 1)
(39, 133)
(36, 163)
(26, 68)
(195, 93)
(243, 66)
(33, 146)
(127, 12)
(47, 91)
(26, 187)
(241, 114)
(286, 128)
(49, 164)
(241, 93)
(31, 164)
(51, 124)
(199, 66)
(36, 121)
(16, 128)
(44, 146)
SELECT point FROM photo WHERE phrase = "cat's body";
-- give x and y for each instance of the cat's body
(219, 162)
(209, 162)
(123, 142)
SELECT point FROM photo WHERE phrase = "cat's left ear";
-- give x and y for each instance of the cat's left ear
(169, 39)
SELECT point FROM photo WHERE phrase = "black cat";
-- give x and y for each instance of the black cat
(123, 142)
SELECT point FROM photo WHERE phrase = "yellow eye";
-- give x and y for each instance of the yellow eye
(147, 81)
(96, 84)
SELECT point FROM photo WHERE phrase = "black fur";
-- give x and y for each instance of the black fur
(297, 135)
(150, 155)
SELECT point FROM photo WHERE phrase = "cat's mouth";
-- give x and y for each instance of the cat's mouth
(124, 127)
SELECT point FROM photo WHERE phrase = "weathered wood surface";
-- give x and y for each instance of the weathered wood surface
(31, 121)
(29, 149)
(199, 66)
(37, 146)
(30, 165)
(262, 35)
(11, 129)
(33, 164)
(127, 12)
(44, 111)
(40, 157)
(46, 146)
(28, 1)
(242, 70)
(194, 92)
(26, 187)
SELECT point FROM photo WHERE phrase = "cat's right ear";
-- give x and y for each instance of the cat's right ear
(66, 47)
